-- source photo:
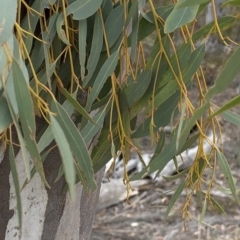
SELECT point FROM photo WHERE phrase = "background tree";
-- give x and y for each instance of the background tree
(74, 79)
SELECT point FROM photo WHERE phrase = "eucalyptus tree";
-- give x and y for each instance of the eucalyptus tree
(74, 79)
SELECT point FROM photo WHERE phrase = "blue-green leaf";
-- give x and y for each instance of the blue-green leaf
(66, 154)
(180, 17)
(106, 70)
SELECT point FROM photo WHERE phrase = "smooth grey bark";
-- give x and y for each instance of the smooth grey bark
(48, 214)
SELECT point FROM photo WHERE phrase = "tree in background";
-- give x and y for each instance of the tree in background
(74, 79)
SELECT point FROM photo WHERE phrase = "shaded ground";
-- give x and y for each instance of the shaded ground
(144, 218)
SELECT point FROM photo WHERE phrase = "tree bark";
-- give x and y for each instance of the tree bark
(47, 213)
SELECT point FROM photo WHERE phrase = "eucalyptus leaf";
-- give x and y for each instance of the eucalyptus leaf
(16, 183)
(225, 77)
(106, 70)
(180, 17)
(66, 155)
(189, 3)
(227, 173)
(78, 146)
(114, 25)
(96, 48)
(8, 11)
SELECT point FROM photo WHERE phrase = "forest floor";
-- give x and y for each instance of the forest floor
(144, 218)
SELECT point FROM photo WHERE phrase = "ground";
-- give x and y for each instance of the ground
(144, 218)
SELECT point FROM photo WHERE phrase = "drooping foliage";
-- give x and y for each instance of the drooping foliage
(82, 67)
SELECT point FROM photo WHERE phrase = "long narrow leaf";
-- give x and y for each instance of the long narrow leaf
(174, 198)
(16, 183)
(66, 155)
(106, 70)
(76, 105)
(227, 173)
(77, 143)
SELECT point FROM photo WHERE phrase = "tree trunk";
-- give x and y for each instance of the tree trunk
(47, 213)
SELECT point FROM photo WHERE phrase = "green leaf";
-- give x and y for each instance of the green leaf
(76, 105)
(82, 38)
(5, 116)
(24, 101)
(161, 142)
(142, 4)
(134, 32)
(77, 143)
(16, 183)
(227, 173)
(232, 117)
(30, 22)
(204, 208)
(39, 50)
(231, 2)
(25, 154)
(47, 136)
(114, 25)
(158, 162)
(81, 9)
(225, 77)
(174, 198)
(223, 22)
(90, 130)
(217, 206)
(66, 155)
(176, 176)
(26, 113)
(171, 86)
(27, 117)
(8, 12)
(189, 123)
(189, 3)
(232, 103)
(161, 118)
(33, 170)
(136, 88)
(101, 154)
(106, 70)
(180, 17)
(198, 170)
(96, 48)
(188, 143)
